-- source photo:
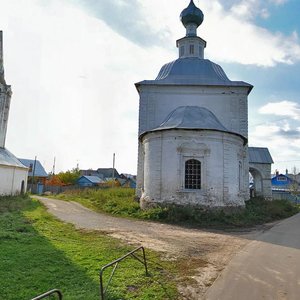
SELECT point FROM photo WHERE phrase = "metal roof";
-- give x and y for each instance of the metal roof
(8, 159)
(193, 71)
(93, 179)
(108, 172)
(192, 117)
(260, 155)
(39, 169)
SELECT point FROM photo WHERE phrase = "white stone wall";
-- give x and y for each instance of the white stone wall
(11, 180)
(262, 180)
(229, 104)
(219, 154)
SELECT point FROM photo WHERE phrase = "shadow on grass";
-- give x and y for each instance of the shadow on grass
(32, 263)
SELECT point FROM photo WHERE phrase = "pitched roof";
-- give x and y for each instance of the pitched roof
(92, 179)
(108, 172)
(8, 159)
(260, 155)
(39, 170)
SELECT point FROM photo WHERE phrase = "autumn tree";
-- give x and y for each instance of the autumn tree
(69, 177)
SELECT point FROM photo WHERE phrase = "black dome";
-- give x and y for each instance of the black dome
(191, 14)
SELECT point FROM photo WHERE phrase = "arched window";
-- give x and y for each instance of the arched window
(192, 178)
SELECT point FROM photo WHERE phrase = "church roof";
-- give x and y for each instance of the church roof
(193, 71)
(8, 159)
(192, 118)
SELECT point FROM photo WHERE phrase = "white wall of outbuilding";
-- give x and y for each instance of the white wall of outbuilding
(11, 179)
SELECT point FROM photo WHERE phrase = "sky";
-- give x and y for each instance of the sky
(72, 65)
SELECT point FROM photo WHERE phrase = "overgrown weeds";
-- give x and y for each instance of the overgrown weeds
(120, 201)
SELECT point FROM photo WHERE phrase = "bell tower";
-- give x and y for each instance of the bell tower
(5, 96)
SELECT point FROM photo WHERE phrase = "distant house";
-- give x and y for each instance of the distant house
(89, 172)
(127, 182)
(86, 181)
(36, 170)
(102, 173)
(281, 181)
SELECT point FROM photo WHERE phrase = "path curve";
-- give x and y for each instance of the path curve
(267, 268)
(206, 252)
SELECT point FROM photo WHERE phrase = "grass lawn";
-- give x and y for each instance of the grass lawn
(39, 253)
(120, 201)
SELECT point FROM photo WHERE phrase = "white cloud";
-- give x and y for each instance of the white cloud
(234, 39)
(73, 86)
(282, 137)
(73, 75)
(232, 34)
(249, 9)
(282, 108)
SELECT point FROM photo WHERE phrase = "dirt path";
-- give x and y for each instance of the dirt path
(202, 253)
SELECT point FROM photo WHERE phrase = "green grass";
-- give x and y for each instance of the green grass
(39, 253)
(120, 201)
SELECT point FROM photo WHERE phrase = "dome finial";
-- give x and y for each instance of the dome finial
(191, 18)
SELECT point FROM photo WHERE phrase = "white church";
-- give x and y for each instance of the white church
(13, 174)
(193, 132)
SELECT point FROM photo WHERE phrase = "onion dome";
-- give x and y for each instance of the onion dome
(191, 15)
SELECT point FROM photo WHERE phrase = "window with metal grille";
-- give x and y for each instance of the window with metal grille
(192, 178)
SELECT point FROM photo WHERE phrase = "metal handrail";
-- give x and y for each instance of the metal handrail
(49, 293)
(115, 264)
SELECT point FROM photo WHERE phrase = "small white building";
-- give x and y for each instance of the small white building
(193, 129)
(13, 174)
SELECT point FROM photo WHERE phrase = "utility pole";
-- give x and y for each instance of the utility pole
(53, 168)
(33, 172)
(113, 172)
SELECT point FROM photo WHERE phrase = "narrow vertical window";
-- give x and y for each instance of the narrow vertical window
(192, 49)
(240, 175)
(201, 52)
(192, 178)
(181, 50)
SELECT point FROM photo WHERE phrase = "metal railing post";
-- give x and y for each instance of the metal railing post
(115, 264)
(49, 293)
